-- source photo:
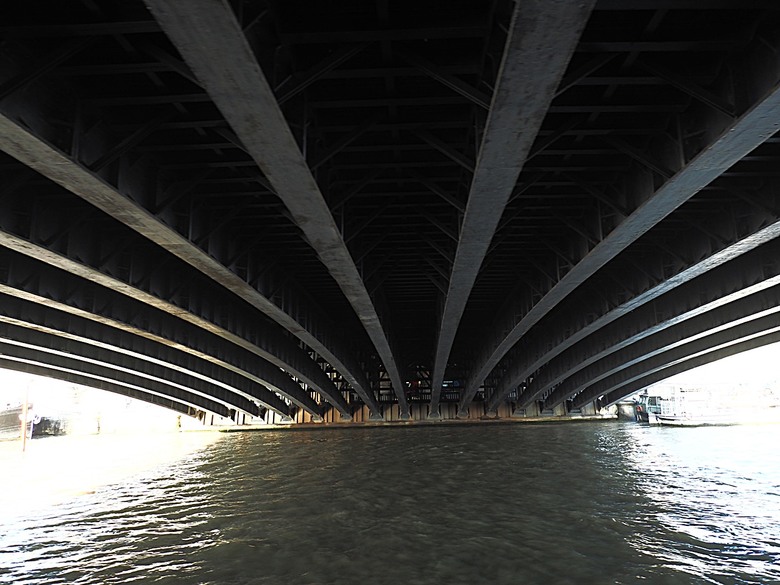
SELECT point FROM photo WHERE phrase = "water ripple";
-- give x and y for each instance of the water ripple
(609, 503)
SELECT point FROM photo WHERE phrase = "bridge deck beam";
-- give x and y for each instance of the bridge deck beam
(689, 337)
(28, 280)
(211, 41)
(631, 380)
(708, 281)
(730, 144)
(540, 43)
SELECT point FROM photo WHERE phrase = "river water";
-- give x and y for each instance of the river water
(555, 503)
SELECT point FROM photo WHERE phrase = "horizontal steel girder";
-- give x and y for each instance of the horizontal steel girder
(540, 43)
(211, 41)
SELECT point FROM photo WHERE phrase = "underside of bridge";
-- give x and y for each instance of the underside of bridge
(357, 209)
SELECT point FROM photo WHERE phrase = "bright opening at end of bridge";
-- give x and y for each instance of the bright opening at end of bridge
(58, 409)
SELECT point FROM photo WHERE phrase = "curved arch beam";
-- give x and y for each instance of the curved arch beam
(66, 370)
(713, 329)
(273, 348)
(137, 367)
(120, 314)
(37, 154)
(735, 141)
(93, 334)
(540, 43)
(619, 389)
(211, 41)
(108, 386)
(130, 377)
(713, 282)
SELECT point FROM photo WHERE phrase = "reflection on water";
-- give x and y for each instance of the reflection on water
(57, 470)
(567, 503)
(715, 496)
